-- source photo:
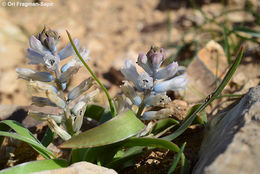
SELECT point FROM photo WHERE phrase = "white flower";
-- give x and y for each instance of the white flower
(129, 92)
(41, 87)
(81, 88)
(53, 96)
(37, 46)
(145, 81)
(79, 111)
(152, 115)
(167, 72)
(44, 116)
(51, 62)
(72, 67)
(176, 83)
(157, 99)
(29, 74)
(40, 54)
(55, 128)
(130, 73)
(68, 50)
(66, 75)
(41, 101)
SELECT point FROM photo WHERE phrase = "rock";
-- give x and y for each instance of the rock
(80, 168)
(232, 144)
(202, 71)
(7, 110)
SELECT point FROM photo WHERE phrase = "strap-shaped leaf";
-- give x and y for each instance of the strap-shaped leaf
(164, 124)
(25, 135)
(38, 147)
(248, 31)
(145, 142)
(36, 166)
(117, 129)
(175, 162)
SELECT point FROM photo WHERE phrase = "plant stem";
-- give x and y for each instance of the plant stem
(112, 106)
(142, 105)
(67, 114)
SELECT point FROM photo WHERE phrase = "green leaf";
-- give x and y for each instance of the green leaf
(24, 134)
(78, 155)
(128, 155)
(248, 31)
(163, 124)
(210, 98)
(201, 118)
(40, 148)
(36, 166)
(17, 127)
(94, 111)
(150, 142)
(102, 154)
(117, 129)
(48, 137)
(226, 45)
(174, 165)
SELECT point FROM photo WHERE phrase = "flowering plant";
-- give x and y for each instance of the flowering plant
(115, 142)
(53, 82)
(153, 82)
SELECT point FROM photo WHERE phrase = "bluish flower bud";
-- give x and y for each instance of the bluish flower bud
(34, 57)
(49, 38)
(52, 44)
(156, 56)
(63, 86)
(152, 115)
(68, 50)
(29, 74)
(176, 83)
(167, 72)
(37, 46)
(142, 61)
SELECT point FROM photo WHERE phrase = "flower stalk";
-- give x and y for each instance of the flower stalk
(112, 107)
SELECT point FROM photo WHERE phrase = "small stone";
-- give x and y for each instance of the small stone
(80, 168)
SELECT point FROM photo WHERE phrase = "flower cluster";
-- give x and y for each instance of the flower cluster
(43, 50)
(154, 82)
